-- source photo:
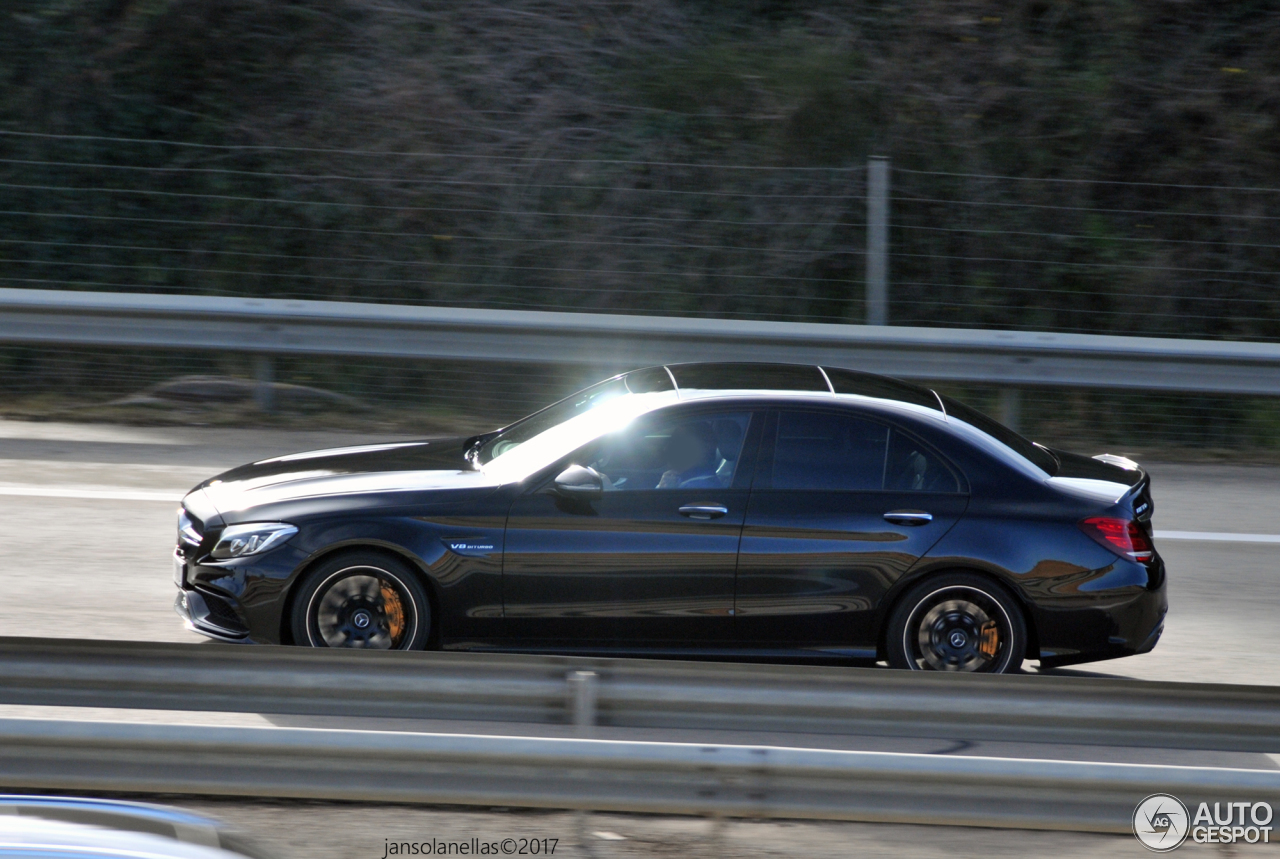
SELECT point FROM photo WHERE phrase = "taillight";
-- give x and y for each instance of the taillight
(1121, 536)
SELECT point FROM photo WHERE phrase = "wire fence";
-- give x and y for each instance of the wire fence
(731, 240)
(728, 240)
(1117, 257)
(440, 228)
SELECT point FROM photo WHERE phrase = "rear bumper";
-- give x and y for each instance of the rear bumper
(1115, 625)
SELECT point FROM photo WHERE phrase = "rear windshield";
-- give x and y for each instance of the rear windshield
(1038, 456)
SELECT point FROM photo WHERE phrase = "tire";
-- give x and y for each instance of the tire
(957, 622)
(364, 600)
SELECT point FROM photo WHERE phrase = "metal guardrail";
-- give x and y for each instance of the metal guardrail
(641, 693)
(602, 775)
(269, 326)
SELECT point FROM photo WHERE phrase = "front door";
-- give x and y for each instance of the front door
(650, 563)
(843, 505)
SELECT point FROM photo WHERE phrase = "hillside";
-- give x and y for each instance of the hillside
(550, 145)
(1099, 165)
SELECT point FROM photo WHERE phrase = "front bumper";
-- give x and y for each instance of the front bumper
(242, 600)
(208, 618)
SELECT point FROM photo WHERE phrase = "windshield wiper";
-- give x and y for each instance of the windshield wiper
(473, 446)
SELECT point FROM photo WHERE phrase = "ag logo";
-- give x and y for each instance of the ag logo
(1161, 823)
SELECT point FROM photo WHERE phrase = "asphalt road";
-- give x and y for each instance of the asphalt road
(87, 528)
(317, 830)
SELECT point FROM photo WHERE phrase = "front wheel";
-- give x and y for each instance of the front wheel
(361, 600)
(957, 622)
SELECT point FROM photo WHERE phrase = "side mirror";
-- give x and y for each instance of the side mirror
(580, 483)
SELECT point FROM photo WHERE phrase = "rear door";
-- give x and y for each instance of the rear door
(842, 505)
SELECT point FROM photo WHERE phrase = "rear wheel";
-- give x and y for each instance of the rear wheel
(362, 600)
(957, 622)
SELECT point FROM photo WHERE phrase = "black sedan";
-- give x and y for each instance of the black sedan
(742, 511)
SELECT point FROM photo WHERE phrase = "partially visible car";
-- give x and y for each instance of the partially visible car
(87, 828)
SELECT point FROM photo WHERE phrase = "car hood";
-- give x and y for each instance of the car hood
(415, 466)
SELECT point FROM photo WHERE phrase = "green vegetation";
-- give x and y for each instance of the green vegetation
(1173, 94)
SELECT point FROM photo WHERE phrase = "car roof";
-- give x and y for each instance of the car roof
(742, 378)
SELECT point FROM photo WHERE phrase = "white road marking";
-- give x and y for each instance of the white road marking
(89, 433)
(96, 493)
(1217, 536)
(605, 835)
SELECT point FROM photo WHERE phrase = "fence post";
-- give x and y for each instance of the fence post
(582, 693)
(877, 241)
(1011, 407)
(264, 374)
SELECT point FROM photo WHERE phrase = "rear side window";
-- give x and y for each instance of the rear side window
(911, 467)
(825, 450)
(828, 451)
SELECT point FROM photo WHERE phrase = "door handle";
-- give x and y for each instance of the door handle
(908, 517)
(703, 511)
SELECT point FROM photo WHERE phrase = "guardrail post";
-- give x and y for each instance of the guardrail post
(264, 373)
(582, 694)
(583, 691)
(877, 241)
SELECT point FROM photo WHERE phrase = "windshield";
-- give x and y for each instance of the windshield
(1029, 450)
(606, 415)
(553, 415)
(561, 428)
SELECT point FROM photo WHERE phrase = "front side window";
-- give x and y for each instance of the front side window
(829, 451)
(690, 452)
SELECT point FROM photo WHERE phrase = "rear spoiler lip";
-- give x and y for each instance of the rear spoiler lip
(1120, 462)
(1139, 494)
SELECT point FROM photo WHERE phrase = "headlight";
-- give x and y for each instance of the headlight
(251, 538)
(187, 531)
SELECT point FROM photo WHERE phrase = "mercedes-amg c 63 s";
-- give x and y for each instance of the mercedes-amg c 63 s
(728, 511)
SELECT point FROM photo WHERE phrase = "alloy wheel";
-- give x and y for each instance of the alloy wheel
(362, 607)
(961, 629)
